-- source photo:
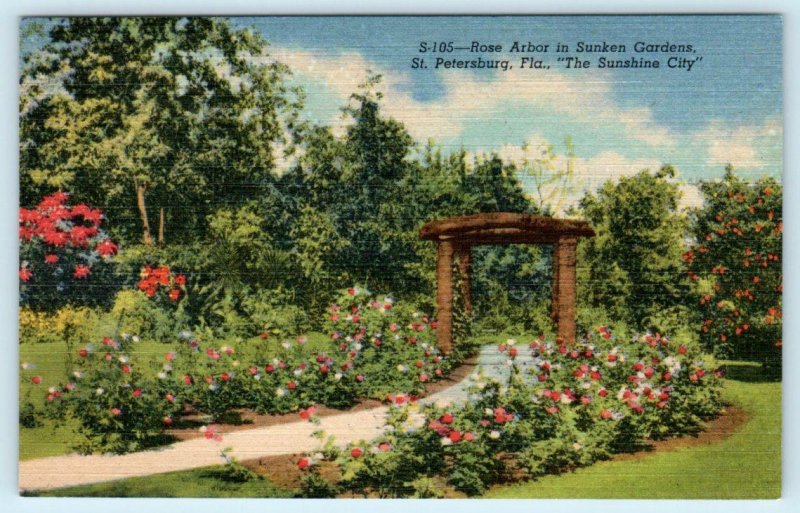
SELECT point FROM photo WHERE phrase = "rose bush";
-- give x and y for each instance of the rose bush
(572, 406)
(376, 348)
(119, 407)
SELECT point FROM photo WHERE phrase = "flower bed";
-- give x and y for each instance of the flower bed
(375, 348)
(574, 405)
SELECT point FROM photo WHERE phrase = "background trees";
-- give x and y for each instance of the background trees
(172, 127)
(632, 269)
(159, 120)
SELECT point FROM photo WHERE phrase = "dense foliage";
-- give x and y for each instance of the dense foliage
(632, 268)
(736, 265)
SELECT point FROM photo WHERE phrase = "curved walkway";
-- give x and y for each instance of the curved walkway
(289, 438)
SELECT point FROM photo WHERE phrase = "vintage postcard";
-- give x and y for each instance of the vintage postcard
(401, 256)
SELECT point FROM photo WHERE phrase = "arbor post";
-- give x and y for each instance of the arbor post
(555, 278)
(565, 259)
(464, 257)
(444, 295)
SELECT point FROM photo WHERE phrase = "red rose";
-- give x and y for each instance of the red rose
(81, 271)
(455, 436)
(269, 369)
(356, 452)
(291, 385)
(107, 248)
(83, 353)
(36, 380)
(304, 463)
(384, 446)
(605, 414)
(447, 418)
(137, 392)
(167, 421)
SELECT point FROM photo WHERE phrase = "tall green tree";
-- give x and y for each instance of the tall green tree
(632, 269)
(159, 120)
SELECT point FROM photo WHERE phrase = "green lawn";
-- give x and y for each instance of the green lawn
(746, 465)
(202, 482)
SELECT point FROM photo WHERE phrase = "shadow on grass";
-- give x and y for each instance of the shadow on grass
(751, 372)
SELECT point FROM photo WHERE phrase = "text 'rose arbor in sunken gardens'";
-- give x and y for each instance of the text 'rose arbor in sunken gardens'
(455, 237)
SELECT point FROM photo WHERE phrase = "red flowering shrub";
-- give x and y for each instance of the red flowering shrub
(736, 266)
(161, 283)
(65, 257)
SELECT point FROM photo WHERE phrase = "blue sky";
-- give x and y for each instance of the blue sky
(726, 109)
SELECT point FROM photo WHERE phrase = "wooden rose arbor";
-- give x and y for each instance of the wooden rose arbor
(455, 237)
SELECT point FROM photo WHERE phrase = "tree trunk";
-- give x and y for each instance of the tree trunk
(161, 226)
(146, 237)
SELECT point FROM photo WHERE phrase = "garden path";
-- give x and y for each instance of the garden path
(289, 438)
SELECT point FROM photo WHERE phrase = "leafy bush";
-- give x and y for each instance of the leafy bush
(136, 314)
(271, 314)
(68, 323)
(574, 405)
(736, 266)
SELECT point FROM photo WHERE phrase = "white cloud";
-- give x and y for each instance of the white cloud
(739, 145)
(467, 98)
